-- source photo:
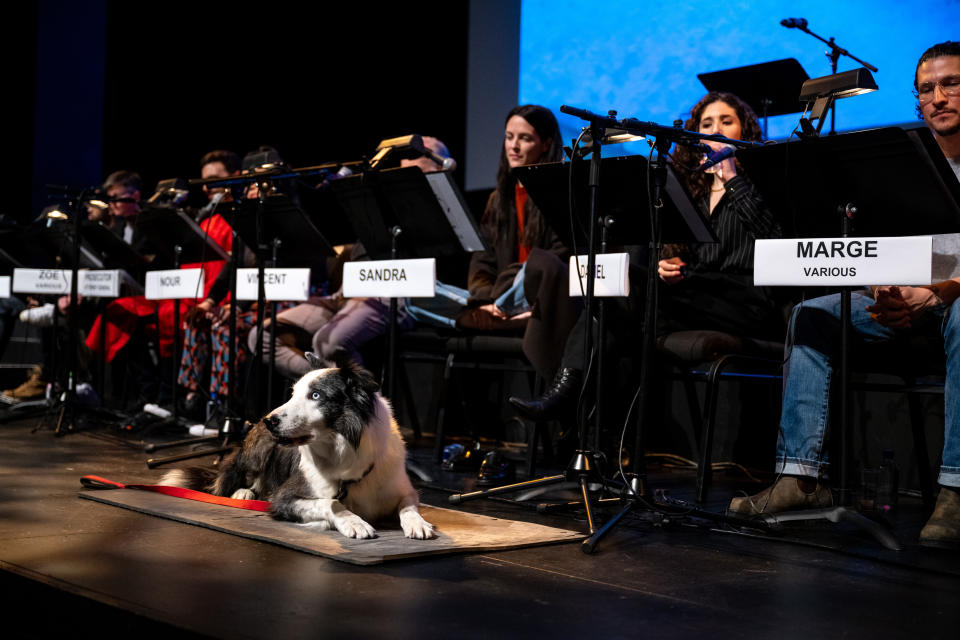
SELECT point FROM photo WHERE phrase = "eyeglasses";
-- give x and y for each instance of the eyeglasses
(949, 85)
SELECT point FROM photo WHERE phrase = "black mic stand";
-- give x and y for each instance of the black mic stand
(636, 493)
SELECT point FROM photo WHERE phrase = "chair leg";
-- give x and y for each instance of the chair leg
(538, 433)
(705, 468)
(920, 449)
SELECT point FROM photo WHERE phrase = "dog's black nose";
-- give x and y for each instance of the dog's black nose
(271, 422)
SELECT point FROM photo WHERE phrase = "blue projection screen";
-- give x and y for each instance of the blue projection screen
(642, 58)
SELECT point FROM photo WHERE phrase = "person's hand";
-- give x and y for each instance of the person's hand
(202, 314)
(493, 310)
(670, 270)
(898, 307)
(63, 303)
(724, 170)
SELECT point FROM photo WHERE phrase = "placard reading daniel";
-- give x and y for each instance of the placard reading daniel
(843, 261)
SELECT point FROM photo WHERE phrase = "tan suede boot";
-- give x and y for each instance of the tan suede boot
(785, 494)
(33, 387)
(943, 527)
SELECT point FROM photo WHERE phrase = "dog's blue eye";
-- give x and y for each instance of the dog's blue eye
(315, 395)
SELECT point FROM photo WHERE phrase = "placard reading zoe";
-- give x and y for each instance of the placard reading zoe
(843, 261)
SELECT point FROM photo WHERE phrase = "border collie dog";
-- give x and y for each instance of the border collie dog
(331, 456)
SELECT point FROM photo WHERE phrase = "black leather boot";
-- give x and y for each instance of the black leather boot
(555, 400)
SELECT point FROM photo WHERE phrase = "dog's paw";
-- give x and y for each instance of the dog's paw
(244, 494)
(414, 526)
(353, 526)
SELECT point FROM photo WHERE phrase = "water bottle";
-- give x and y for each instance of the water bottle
(888, 483)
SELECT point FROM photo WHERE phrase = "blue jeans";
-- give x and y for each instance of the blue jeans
(448, 301)
(813, 346)
(442, 309)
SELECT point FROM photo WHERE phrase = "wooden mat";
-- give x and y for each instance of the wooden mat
(457, 531)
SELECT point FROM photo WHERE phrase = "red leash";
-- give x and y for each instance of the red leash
(96, 482)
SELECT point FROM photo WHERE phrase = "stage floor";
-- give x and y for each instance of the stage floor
(71, 565)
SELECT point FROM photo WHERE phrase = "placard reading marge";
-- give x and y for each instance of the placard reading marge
(4, 286)
(843, 261)
(612, 275)
(278, 284)
(390, 278)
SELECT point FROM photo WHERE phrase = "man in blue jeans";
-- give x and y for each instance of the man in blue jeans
(814, 342)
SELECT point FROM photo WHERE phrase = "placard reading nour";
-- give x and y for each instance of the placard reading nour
(843, 261)
(174, 284)
(103, 283)
(612, 275)
(4, 286)
(390, 278)
(278, 284)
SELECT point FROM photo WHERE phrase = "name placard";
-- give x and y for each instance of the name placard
(103, 283)
(174, 284)
(390, 278)
(611, 278)
(4, 286)
(278, 284)
(99, 283)
(843, 261)
(41, 280)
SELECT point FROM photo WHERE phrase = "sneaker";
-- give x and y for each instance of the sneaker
(785, 494)
(34, 387)
(41, 316)
(943, 527)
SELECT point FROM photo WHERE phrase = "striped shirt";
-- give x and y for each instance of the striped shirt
(738, 219)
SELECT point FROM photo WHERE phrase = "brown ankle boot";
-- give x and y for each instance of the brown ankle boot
(33, 387)
(785, 494)
(943, 527)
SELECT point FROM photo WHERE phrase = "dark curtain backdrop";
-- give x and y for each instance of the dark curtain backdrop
(318, 81)
(152, 86)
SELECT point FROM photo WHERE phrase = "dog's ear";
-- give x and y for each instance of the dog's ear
(315, 361)
(342, 360)
(356, 376)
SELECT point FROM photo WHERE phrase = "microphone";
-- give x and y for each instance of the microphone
(446, 164)
(343, 172)
(716, 157)
(794, 23)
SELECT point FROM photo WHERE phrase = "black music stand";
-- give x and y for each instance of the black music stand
(60, 243)
(282, 234)
(770, 88)
(177, 239)
(428, 209)
(168, 229)
(623, 203)
(887, 182)
(582, 467)
(114, 252)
